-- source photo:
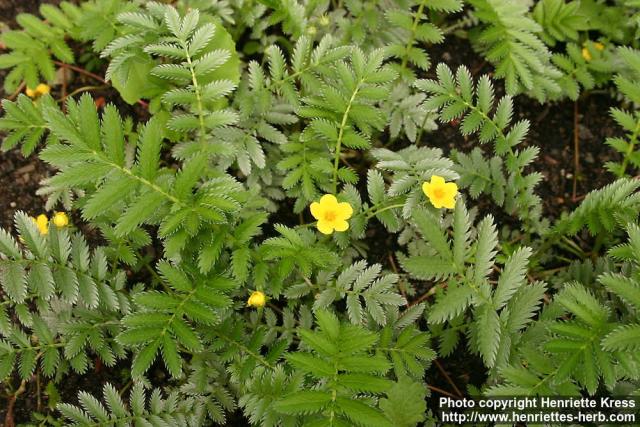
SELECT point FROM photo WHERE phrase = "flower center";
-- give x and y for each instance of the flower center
(330, 215)
(438, 193)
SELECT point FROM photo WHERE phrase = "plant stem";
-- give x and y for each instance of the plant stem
(414, 27)
(343, 125)
(448, 378)
(576, 150)
(196, 89)
(632, 144)
(386, 208)
(80, 89)
(81, 71)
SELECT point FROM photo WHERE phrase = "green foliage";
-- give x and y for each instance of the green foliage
(499, 314)
(509, 40)
(65, 300)
(175, 409)
(502, 176)
(164, 320)
(341, 366)
(413, 32)
(202, 65)
(603, 210)
(578, 71)
(560, 21)
(92, 163)
(365, 293)
(629, 120)
(40, 42)
(339, 115)
(24, 120)
(584, 344)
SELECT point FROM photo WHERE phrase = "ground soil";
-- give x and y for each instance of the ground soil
(552, 129)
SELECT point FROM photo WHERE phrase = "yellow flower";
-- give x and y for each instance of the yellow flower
(586, 54)
(60, 219)
(257, 299)
(441, 193)
(42, 223)
(331, 215)
(599, 46)
(41, 89)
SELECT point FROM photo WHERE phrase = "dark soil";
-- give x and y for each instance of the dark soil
(552, 130)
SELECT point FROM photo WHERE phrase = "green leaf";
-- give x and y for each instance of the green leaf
(150, 143)
(364, 383)
(512, 277)
(40, 280)
(432, 232)
(488, 334)
(144, 358)
(8, 245)
(312, 364)
(303, 402)
(624, 338)
(174, 277)
(185, 335)
(627, 289)
(12, 279)
(405, 404)
(361, 413)
(112, 134)
(485, 249)
(139, 212)
(170, 355)
(136, 336)
(428, 267)
(454, 302)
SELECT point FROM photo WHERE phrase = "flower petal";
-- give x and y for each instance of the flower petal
(449, 202)
(316, 210)
(437, 180)
(436, 202)
(329, 200)
(345, 210)
(451, 189)
(325, 227)
(426, 188)
(341, 225)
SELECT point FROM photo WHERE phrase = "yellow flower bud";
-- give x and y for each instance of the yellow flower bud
(257, 299)
(60, 219)
(42, 223)
(586, 54)
(599, 46)
(43, 88)
(311, 30)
